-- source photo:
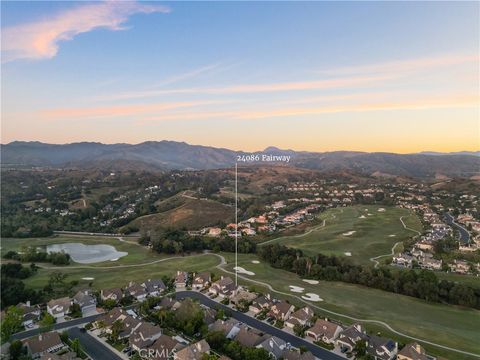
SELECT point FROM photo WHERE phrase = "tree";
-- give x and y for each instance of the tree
(360, 348)
(12, 322)
(116, 329)
(47, 320)
(16, 350)
(76, 347)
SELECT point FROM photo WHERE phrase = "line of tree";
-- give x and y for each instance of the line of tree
(31, 254)
(173, 241)
(423, 285)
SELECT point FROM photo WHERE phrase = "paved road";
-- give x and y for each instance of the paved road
(94, 348)
(60, 326)
(292, 339)
(464, 235)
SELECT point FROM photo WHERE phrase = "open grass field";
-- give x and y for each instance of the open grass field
(451, 326)
(136, 253)
(361, 232)
(106, 277)
(182, 211)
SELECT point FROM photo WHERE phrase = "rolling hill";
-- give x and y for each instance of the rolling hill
(169, 155)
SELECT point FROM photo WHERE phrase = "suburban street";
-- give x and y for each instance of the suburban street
(94, 348)
(464, 235)
(260, 325)
(60, 326)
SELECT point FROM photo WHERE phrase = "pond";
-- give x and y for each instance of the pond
(88, 254)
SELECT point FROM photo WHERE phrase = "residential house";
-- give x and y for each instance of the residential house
(348, 338)
(114, 294)
(154, 287)
(181, 279)
(325, 331)
(163, 348)
(39, 345)
(260, 303)
(106, 320)
(230, 328)
(301, 317)
(144, 336)
(281, 310)
(274, 346)
(240, 295)
(412, 351)
(58, 308)
(297, 355)
(223, 287)
(31, 314)
(87, 303)
(201, 280)
(249, 337)
(193, 352)
(137, 291)
(382, 348)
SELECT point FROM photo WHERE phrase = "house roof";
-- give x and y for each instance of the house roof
(83, 299)
(201, 278)
(413, 351)
(143, 335)
(154, 284)
(110, 292)
(324, 328)
(59, 305)
(194, 351)
(165, 345)
(274, 345)
(41, 343)
(296, 355)
(109, 318)
(283, 307)
(224, 326)
(249, 337)
(303, 314)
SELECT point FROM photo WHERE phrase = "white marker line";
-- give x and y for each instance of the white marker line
(236, 224)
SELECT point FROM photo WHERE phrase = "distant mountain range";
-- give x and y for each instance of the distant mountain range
(168, 155)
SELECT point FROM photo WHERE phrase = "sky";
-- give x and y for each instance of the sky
(317, 76)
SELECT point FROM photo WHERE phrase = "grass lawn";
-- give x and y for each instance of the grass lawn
(362, 231)
(452, 326)
(136, 253)
(107, 278)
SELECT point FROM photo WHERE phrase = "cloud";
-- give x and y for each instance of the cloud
(274, 87)
(444, 102)
(40, 39)
(405, 66)
(118, 110)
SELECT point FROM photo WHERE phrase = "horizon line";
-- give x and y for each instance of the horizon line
(236, 150)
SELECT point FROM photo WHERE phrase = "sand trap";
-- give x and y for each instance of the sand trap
(362, 217)
(255, 262)
(349, 233)
(370, 214)
(312, 297)
(348, 253)
(381, 210)
(311, 282)
(392, 235)
(366, 209)
(88, 278)
(296, 289)
(114, 259)
(241, 270)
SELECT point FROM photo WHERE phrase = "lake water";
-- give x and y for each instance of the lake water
(88, 254)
